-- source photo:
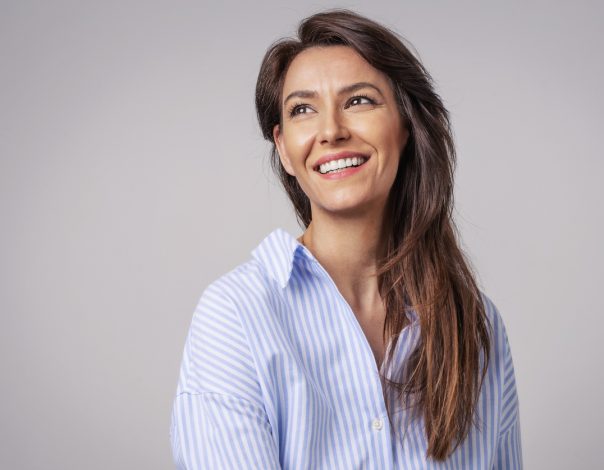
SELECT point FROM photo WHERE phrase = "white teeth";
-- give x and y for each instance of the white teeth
(341, 163)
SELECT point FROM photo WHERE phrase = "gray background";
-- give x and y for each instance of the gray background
(132, 174)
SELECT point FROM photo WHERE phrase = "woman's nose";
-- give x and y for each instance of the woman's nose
(332, 128)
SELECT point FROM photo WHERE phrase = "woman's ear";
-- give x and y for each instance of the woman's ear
(278, 139)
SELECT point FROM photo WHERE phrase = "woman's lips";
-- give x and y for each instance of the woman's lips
(338, 156)
(343, 173)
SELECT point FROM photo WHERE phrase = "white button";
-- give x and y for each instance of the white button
(377, 424)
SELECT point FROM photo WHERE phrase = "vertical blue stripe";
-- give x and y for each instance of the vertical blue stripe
(277, 373)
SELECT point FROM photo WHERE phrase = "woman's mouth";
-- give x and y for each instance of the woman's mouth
(341, 168)
(336, 166)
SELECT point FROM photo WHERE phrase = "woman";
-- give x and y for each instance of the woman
(364, 343)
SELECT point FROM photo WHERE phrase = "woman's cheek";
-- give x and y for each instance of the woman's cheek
(304, 145)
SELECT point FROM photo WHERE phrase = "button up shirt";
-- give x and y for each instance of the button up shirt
(277, 373)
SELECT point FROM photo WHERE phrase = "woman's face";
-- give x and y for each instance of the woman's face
(335, 104)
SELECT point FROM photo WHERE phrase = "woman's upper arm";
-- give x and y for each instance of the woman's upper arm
(218, 417)
(210, 430)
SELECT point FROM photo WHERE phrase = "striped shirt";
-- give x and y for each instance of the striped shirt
(277, 373)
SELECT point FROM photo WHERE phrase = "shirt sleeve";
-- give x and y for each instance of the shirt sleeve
(509, 450)
(509, 447)
(218, 417)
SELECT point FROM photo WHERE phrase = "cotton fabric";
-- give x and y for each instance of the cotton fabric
(277, 373)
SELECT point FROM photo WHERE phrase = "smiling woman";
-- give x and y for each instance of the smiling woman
(365, 342)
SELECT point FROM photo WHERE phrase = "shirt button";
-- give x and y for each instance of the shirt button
(377, 424)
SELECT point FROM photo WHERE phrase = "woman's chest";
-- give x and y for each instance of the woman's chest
(373, 330)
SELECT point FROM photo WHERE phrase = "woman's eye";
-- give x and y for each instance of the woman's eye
(357, 100)
(297, 109)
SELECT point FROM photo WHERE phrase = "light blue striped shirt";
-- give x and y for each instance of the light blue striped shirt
(277, 373)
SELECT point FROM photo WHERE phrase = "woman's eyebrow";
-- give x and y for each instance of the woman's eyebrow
(341, 91)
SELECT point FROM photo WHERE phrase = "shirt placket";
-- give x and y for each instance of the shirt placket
(377, 424)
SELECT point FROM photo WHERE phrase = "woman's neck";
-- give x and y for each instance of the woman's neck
(349, 250)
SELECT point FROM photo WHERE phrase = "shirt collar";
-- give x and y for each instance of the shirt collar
(277, 253)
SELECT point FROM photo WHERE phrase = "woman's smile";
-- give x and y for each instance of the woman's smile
(341, 167)
(340, 163)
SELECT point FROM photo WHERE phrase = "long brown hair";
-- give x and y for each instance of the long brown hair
(424, 269)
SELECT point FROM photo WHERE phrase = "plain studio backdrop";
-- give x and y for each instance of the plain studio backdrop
(133, 173)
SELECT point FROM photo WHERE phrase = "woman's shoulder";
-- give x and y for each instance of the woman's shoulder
(264, 274)
(244, 296)
(219, 354)
(499, 339)
(492, 311)
(242, 283)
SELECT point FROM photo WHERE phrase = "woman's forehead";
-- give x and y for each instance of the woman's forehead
(318, 67)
